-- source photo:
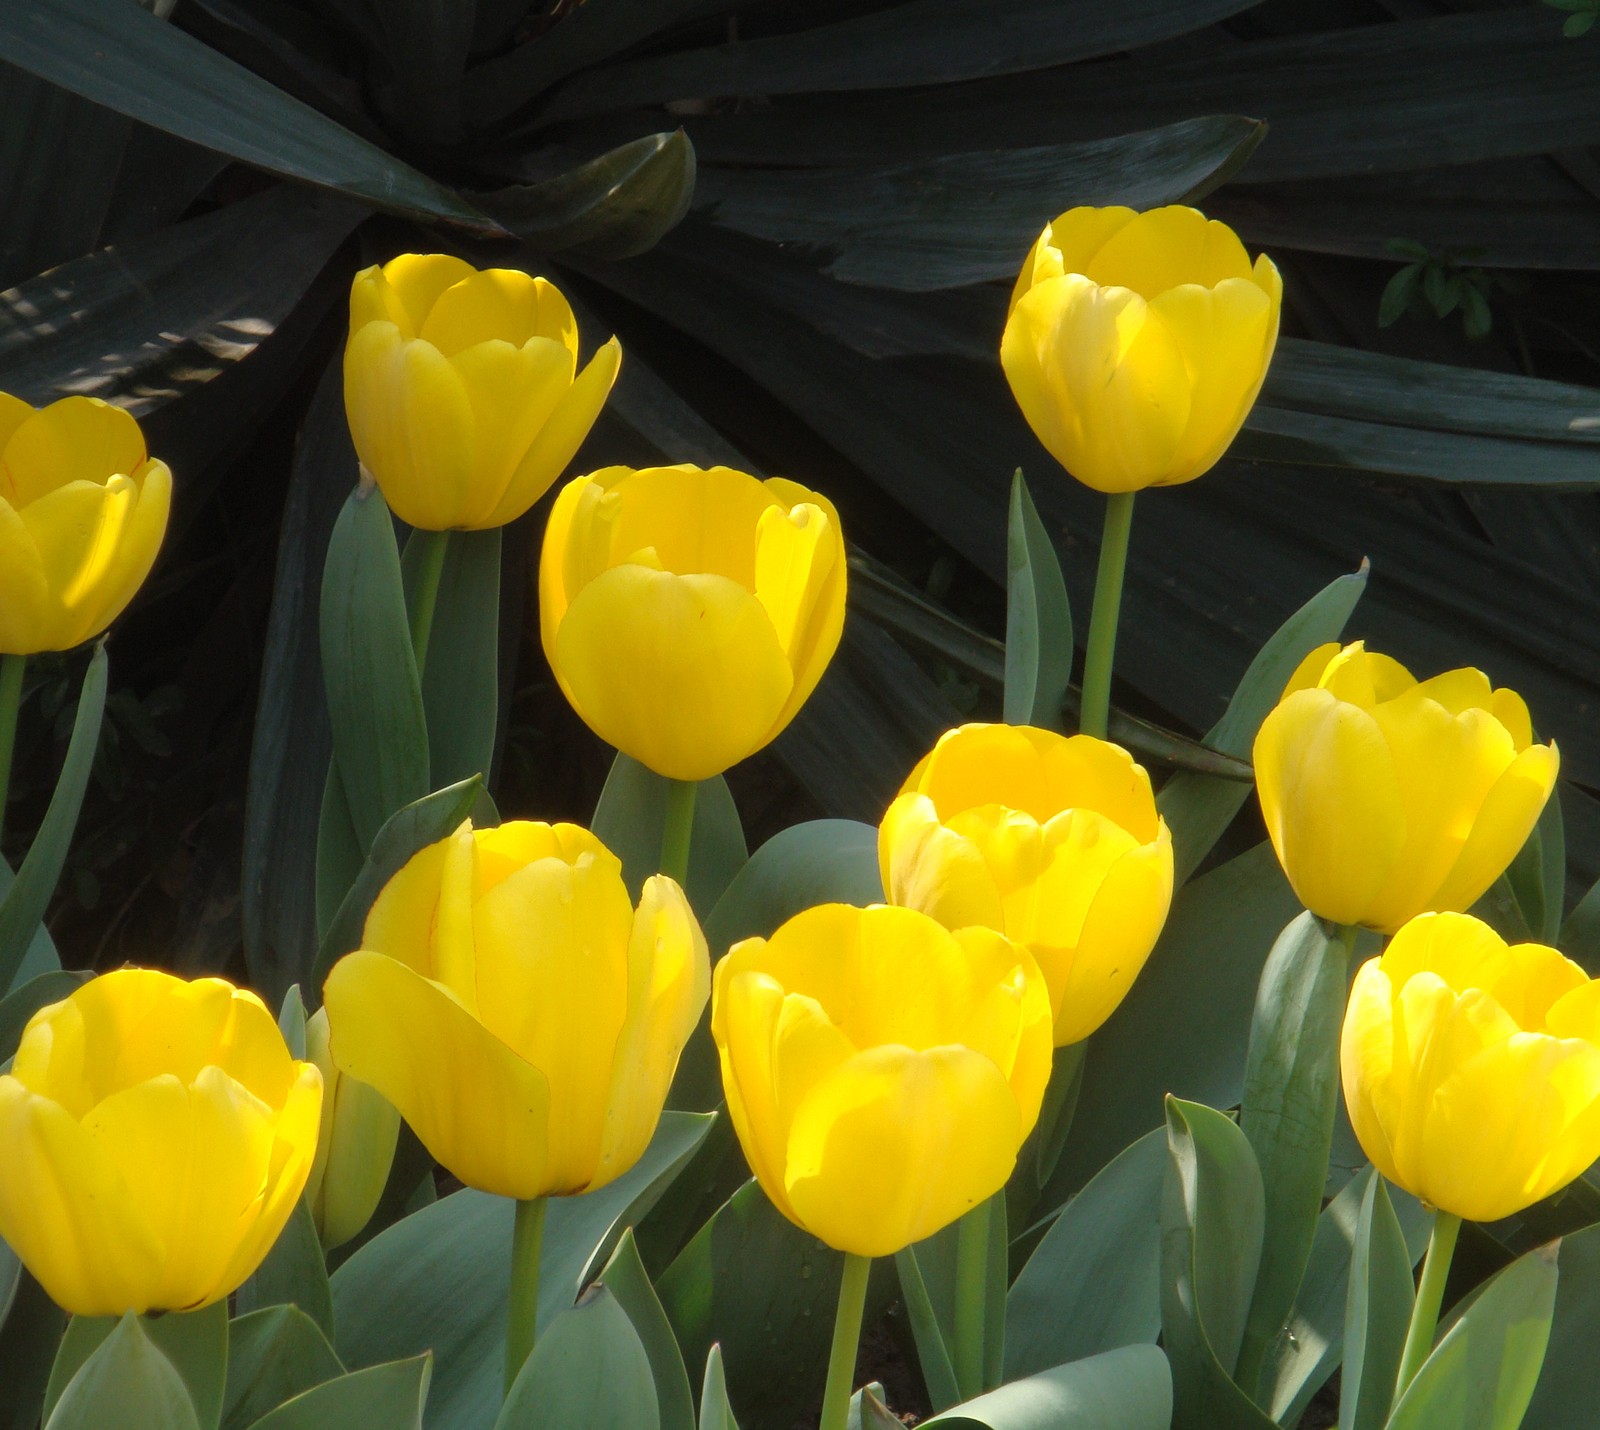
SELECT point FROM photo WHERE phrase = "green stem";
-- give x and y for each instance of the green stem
(846, 1341)
(678, 830)
(972, 1298)
(435, 544)
(522, 1317)
(1430, 1293)
(11, 669)
(1096, 708)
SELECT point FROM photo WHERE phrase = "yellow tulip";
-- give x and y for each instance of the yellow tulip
(83, 508)
(688, 614)
(462, 388)
(355, 1148)
(1472, 1069)
(1053, 841)
(881, 1072)
(157, 1136)
(521, 1014)
(1386, 797)
(1137, 342)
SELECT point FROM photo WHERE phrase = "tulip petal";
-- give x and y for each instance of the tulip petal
(1511, 710)
(508, 847)
(412, 284)
(1008, 1018)
(932, 869)
(1070, 243)
(1164, 248)
(78, 439)
(480, 1109)
(67, 1213)
(13, 413)
(29, 621)
(894, 1145)
(400, 923)
(1459, 690)
(562, 572)
(138, 546)
(1500, 827)
(1367, 1065)
(683, 673)
(499, 303)
(78, 531)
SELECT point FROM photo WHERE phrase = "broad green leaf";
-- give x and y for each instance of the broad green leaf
(933, 1334)
(391, 1395)
(715, 1412)
(1291, 1090)
(1211, 1225)
(868, 1410)
(588, 1368)
(339, 855)
(292, 1021)
(127, 1382)
(461, 683)
(928, 1271)
(1537, 876)
(293, 1274)
(273, 1355)
(18, 1006)
(41, 957)
(1197, 807)
(627, 1280)
(1038, 618)
(121, 56)
(194, 1344)
(439, 1278)
(617, 206)
(1482, 1374)
(419, 824)
(1569, 1382)
(380, 734)
(632, 813)
(25, 902)
(1094, 1281)
(29, 1337)
(1376, 1314)
(1129, 1388)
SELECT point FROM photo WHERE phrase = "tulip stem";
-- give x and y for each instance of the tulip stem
(678, 830)
(1097, 656)
(434, 546)
(846, 1341)
(522, 1316)
(11, 669)
(1430, 1293)
(972, 1298)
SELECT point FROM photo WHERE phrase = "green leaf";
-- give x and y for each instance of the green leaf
(18, 1006)
(1397, 295)
(588, 1368)
(1569, 1382)
(339, 855)
(293, 1274)
(932, 1333)
(1291, 1088)
(715, 1412)
(629, 1282)
(1537, 876)
(1377, 1314)
(1482, 1374)
(292, 1021)
(1579, 24)
(1198, 808)
(1129, 1388)
(194, 1344)
(29, 1337)
(391, 1395)
(419, 824)
(25, 902)
(273, 1354)
(41, 957)
(127, 1382)
(617, 206)
(439, 1279)
(461, 685)
(380, 734)
(1038, 618)
(928, 1270)
(121, 56)
(1094, 1281)
(632, 813)
(1211, 1226)
(775, 1327)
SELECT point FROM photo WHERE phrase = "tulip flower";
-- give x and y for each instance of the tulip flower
(1386, 797)
(462, 388)
(1053, 841)
(157, 1136)
(688, 614)
(881, 1072)
(355, 1148)
(519, 1012)
(1136, 343)
(83, 508)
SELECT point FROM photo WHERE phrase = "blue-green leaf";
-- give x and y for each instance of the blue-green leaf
(126, 1382)
(1377, 1313)
(194, 1344)
(24, 1001)
(715, 1412)
(629, 1282)
(588, 1368)
(294, 1273)
(391, 1396)
(1129, 1388)
(1038, 618)
(273, 1355)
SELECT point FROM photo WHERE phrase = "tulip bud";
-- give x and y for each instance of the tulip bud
(83, 508)
(1053, 841)
(1472, 1069)
(1137, 342)
(354, 1150)
(1384, 797)
(688, 614)
(881, 1072)
(157, 1136)
(515, 1007)
(462, 388)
